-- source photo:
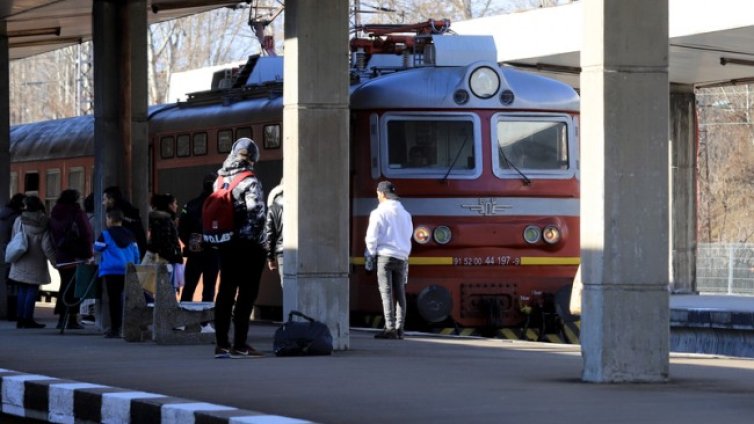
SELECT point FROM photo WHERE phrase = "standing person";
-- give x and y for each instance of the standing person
(163, 232)
(72, 238)
(118, 247)
(388, 239)
(274, 229)
(8, 215)
(201, 258)
(30, 271)
(242, 258)
(112, 198)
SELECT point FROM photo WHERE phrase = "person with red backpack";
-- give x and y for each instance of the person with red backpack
(233, 219)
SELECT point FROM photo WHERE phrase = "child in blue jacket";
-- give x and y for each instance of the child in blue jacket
(118, 247)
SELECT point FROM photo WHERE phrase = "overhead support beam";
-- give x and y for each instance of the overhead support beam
(188, 4)
(47, 42)
(34, 32)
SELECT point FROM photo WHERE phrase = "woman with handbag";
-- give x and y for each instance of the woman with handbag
(30, 270)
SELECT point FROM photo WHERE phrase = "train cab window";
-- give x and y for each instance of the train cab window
(243, 132)
(224, 141)
(13, 183)
(434, 146)
(199, 146)
(31, 183)
(183, 146)
(530, 145)
(52, 187)
(272, 136)
(76, 179)
(167, 147)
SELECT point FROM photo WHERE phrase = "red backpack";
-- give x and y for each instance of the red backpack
(218, 213)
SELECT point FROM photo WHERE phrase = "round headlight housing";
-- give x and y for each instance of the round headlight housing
(551, 234)
(461, 97)
(422, 235)
(532, 234)
(442, 234)
(484, 82)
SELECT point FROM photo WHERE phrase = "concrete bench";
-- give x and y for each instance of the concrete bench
(138, 315)
(170, 315)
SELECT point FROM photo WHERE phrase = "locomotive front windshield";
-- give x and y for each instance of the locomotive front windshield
(537, 145)
(431, 146)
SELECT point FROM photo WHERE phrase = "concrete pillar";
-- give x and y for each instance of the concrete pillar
(624, 211)
(315, 169)
(120, 105)
(683, 140)
(120, 101)
(4, 148)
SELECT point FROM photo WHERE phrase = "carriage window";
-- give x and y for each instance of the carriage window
(224, 141)
(272, 136)
(243, 132)
(183, 146)
(200, 144)
(13, 183)
(538, 145)
(167, 147)
(52, 187)
(76, 179)
(432, 147)
(31, 183)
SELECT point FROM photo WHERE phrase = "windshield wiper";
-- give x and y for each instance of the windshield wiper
(455, 159)
(526, 179)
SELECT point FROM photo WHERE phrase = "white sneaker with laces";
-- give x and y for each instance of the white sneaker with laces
(207, 328)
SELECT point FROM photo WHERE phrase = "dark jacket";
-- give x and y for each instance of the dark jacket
(71, 233)
(190, 222)
(132, 221)
(163, 236)
(8, 216)
(274, 225)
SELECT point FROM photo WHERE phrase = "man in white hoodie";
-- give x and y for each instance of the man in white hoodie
(388, 239)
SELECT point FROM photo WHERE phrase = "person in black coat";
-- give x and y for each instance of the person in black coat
(112, 198)
(202, 259)
(8, 215)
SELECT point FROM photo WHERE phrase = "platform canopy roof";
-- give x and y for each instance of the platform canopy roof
(39, 26)
(710, 42)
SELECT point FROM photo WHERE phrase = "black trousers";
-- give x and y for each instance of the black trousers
(205, 264)
(241, 265)
(114, 285)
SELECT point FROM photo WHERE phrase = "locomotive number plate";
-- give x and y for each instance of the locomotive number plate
(486, 261)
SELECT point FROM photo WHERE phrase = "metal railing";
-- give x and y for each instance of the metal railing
(725, 268)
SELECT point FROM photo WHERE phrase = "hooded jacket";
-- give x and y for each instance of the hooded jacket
(62, 218)
(118, 247)
(32, 267)
(248, 200)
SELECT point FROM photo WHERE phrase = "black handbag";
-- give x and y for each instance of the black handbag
(302, 338)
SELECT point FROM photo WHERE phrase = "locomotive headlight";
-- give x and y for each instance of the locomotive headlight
(532, 233)
(484, 82)
(442, 234)
(551, 234)
(422, 234)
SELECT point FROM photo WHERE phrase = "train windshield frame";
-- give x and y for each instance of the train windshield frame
(430, 145)
(537, 145)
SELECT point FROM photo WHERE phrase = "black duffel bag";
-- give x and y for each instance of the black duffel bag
(302, 338)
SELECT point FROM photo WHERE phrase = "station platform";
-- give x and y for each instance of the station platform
(422, 379)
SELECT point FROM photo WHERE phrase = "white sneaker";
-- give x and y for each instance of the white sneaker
(207, 328)
(181, 328)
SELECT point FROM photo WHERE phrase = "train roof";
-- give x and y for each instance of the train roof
(215, 115)
(67, 137)
(437, 86)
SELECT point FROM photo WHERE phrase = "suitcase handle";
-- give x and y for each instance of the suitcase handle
(299, 314)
